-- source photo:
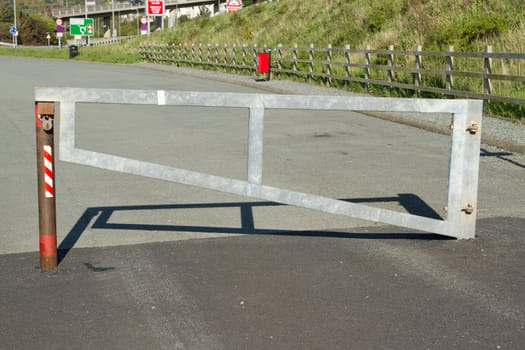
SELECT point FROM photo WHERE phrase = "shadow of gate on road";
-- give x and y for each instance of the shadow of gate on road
(412, 203)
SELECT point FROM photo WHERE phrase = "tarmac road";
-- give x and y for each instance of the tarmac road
(151, 265)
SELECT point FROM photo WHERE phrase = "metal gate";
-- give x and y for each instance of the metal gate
(463, 162)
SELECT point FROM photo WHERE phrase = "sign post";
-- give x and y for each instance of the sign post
(81, 26)
(59, 29)
(143, 25)
(155, 8)
(15, 34)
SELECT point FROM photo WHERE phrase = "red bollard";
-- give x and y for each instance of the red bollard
(44, 119)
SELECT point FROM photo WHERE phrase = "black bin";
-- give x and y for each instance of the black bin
(73, 51)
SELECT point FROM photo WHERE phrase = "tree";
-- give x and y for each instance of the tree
(6, 12)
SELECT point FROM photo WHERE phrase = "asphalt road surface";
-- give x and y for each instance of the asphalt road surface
(146, 264)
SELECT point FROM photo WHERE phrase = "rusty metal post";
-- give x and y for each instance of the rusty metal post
(44, 119)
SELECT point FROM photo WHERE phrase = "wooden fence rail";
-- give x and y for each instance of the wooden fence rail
(484, 75)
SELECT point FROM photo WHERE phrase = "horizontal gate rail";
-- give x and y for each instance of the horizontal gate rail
(464, 151)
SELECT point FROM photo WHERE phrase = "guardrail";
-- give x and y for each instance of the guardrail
(108, 41)
(463, 170)
(479, 75)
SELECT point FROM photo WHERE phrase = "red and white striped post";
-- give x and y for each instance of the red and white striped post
(44, 119)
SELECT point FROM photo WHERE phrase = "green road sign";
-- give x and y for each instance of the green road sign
(81, 26)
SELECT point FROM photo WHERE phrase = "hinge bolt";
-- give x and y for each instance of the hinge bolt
(469, 209)
(473, 129)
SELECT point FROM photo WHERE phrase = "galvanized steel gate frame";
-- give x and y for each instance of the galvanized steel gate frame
(463, 162)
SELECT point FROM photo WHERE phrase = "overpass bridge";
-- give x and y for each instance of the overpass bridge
(124, 8)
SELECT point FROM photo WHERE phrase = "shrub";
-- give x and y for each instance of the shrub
(482, 28)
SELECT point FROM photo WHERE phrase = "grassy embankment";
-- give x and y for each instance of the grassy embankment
(468, 25)
(116, 53)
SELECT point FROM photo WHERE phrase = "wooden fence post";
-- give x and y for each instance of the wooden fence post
(294, 52)
(225, 57)
(390, 72)
(417, 75)
(311, 62)
(244, 55)
(347, 64)
(279, 58)
(449, 69)
(487, 83)
(234, 58)
(367, 67)
(254, 59)
(329, 65)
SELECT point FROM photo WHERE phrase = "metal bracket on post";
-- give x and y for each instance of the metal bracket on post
(47, 122)
(44, 118)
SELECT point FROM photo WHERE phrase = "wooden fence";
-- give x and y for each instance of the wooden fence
(484, 75)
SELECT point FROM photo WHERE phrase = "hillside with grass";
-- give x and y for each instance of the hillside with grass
(468, 25)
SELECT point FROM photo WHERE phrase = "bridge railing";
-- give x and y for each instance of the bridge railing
(80, 10)
(490, 76)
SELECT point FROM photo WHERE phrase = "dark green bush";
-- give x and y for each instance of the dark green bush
(376, 19)
(468, 31)
(482, 28)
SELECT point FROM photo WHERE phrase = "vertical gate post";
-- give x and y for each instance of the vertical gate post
(464, 171)
(44, 119)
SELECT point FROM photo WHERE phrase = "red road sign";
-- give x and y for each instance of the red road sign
(233, 5)
(155, 7)
(58, 27)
